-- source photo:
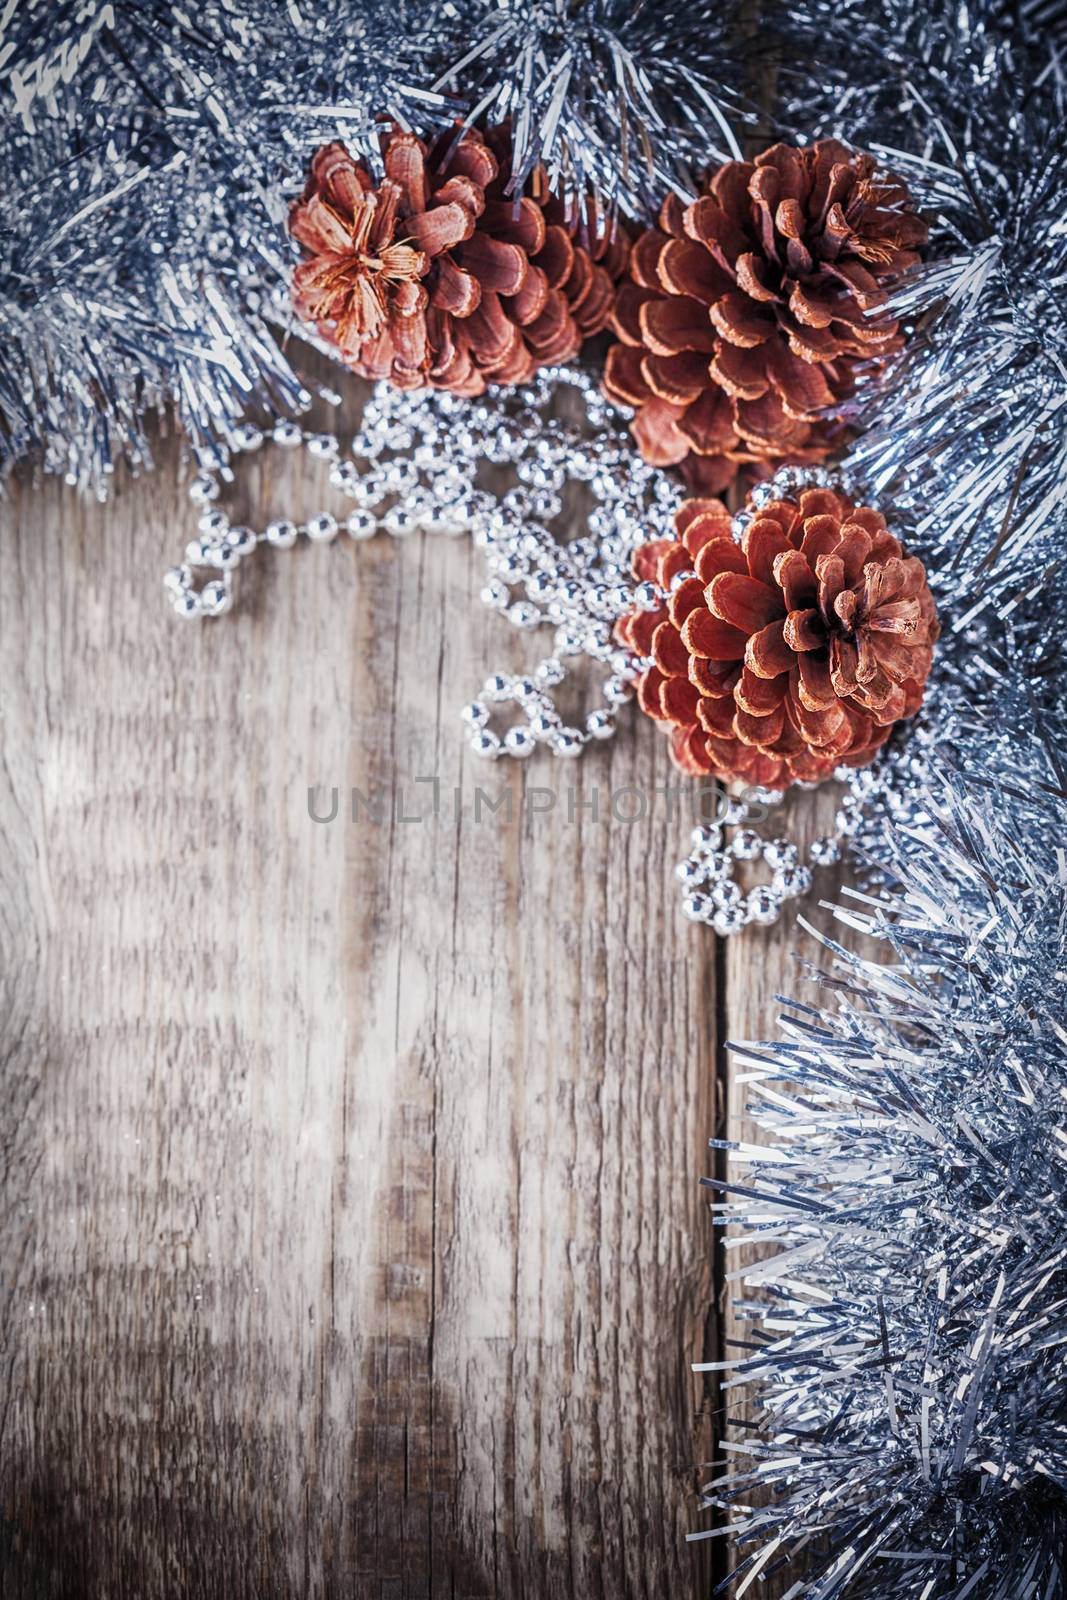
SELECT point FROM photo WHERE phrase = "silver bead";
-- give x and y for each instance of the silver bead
(791, 881)
(432, 515)
(243, 540)
(647, 597)
(825, 851)
(549, 673)
(763, 905)
(496, 595)
(282, 534)
(496, 688)
(399, 522)
(519, 742)
(727, 893)
(697, 907)
(733, 812)
(848, 821)
(690, 871)
(507, 565)
(567, 742)
(323, 528)
(544, 725)
(463, 513)
(176, 580)
(187, 605)
(524, 615)
(706, 836)
(344, 475)
(680, 578)
(617, 692)
(287, 433)
(322, 445)
(600, 724)
(203, 489)
(486, 744)
(779, 853)
(361, 524)
(215, 598)
(213, 524)
(746, 844)
(246, 436)
(728, 920)
(525, 689)
(367, 445)
(475, 715)
(368, 490)
(401, 476)
(452, 485)
(767, 797)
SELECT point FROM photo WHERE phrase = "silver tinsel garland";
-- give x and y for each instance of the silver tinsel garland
(149, 152)
(968, 435)
(906, 1345)
(622, 99)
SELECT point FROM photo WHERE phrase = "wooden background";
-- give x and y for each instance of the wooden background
(352, 1236)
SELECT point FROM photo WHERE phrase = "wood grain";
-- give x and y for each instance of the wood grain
(352, 1229)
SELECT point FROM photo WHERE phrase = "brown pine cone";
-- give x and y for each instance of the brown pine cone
(789, 654)
(434, 277)
(750, 311)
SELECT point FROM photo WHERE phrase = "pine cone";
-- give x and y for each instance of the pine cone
(789, 654)
(750, 311)
(434, 277)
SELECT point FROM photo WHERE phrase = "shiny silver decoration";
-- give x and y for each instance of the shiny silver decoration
(905, 1342)
(150, 150)
(414, 467)
(411, 470)
(623, 100)
(967, 434)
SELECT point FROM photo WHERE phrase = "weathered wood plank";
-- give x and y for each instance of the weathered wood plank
(352, 1231)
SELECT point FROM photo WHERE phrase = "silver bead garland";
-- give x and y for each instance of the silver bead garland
(413, 467)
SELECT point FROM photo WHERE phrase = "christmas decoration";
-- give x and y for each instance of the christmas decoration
(150, 153)
(906, 1345)
(968, 435)
(618, 98)
(414, 467)
(434, 277)
(444, 193)
(965, 433)
(786, 655)
(752, 312)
